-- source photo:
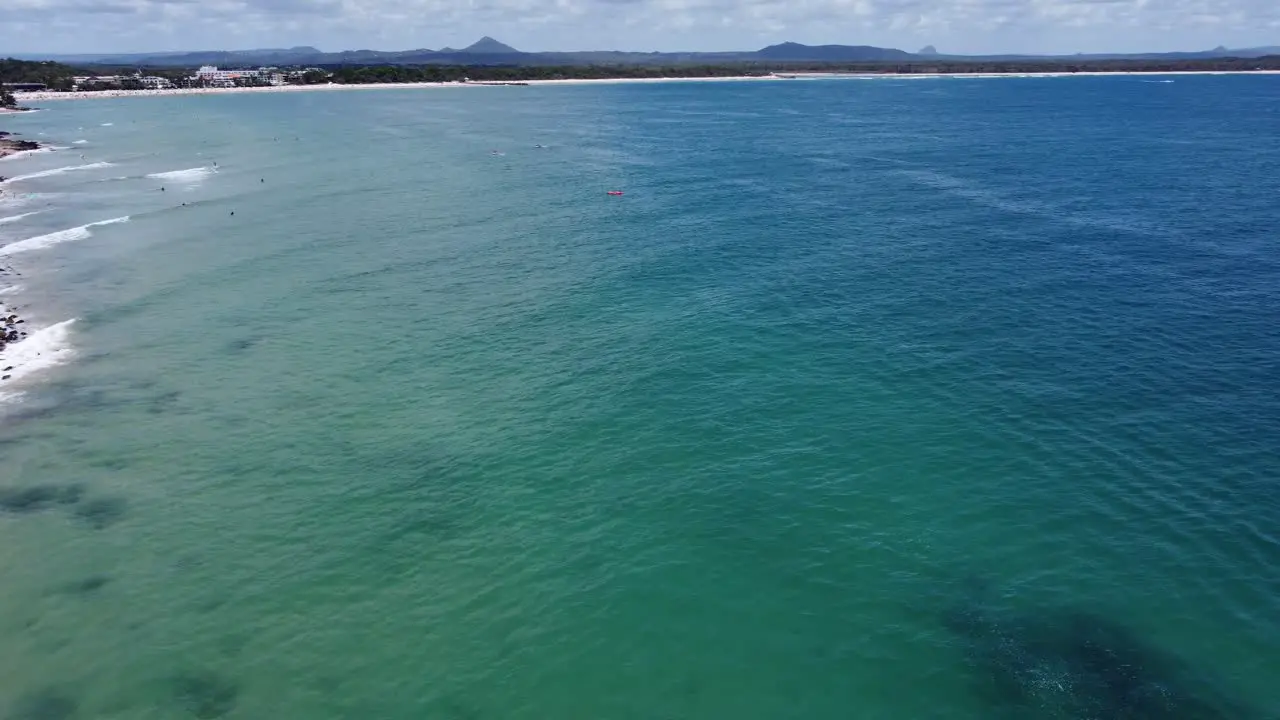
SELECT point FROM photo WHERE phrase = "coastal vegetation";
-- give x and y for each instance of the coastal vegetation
(348, 75)
(59, 77)
(55, 76)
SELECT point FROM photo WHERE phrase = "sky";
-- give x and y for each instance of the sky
(953, 26)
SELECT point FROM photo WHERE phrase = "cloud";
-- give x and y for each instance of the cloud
(952, 25)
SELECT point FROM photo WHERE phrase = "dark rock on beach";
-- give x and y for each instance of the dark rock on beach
(9, 146)
(9, 332)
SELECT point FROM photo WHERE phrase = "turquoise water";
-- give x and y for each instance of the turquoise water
(875, 399)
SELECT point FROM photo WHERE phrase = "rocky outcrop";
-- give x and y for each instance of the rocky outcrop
(10, 325)
(9, 146)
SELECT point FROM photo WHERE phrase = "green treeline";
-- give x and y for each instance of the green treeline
(58, 76)
(351, 74)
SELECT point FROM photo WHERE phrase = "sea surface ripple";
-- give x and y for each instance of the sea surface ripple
(943, 399)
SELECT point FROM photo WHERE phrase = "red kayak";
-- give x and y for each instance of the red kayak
(615, 192)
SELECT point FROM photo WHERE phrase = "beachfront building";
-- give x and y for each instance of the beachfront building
(211, 76)
(137, 81)
(150, 82)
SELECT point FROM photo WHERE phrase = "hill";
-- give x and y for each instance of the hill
(830, 53)
(488, 46)
(488, 51)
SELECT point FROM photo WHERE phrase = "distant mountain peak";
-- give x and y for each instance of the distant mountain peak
(928, 50)
(488, 46)
(831, 53)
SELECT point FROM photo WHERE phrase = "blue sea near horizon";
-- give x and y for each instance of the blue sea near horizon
(902, 398)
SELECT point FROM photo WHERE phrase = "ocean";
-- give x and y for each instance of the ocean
(896, 398)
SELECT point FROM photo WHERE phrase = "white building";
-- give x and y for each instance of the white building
(211, 76)
(146, 82)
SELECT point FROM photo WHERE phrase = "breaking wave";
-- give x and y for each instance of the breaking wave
(59, 171)
(43, 241)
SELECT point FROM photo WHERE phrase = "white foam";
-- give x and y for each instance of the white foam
(41, 350)
(107, 124)
(79, 142)
(11, 289)
(16, 218)
(61, 170)
(43, 241)
(190, 175)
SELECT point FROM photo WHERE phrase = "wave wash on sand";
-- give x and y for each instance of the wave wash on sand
(54, 238)
(24, 348)
(43, 349)
(59, 171)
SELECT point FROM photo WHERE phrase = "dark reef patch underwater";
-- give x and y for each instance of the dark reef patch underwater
(1068, 664)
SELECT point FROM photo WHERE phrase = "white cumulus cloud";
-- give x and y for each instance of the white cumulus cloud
(967, 26)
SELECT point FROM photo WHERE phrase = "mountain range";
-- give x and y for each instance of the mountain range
(488, 51)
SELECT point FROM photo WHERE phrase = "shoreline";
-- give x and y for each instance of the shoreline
(43, 96)
(12, 331)
(24, 348)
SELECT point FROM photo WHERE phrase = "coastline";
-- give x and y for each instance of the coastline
(10, 331)
(24, 349)
(44, 96)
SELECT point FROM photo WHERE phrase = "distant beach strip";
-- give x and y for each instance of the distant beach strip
(44, 96)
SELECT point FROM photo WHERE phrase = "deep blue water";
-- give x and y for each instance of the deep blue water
(880, 399)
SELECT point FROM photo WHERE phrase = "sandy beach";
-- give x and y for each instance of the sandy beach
(47, 96)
